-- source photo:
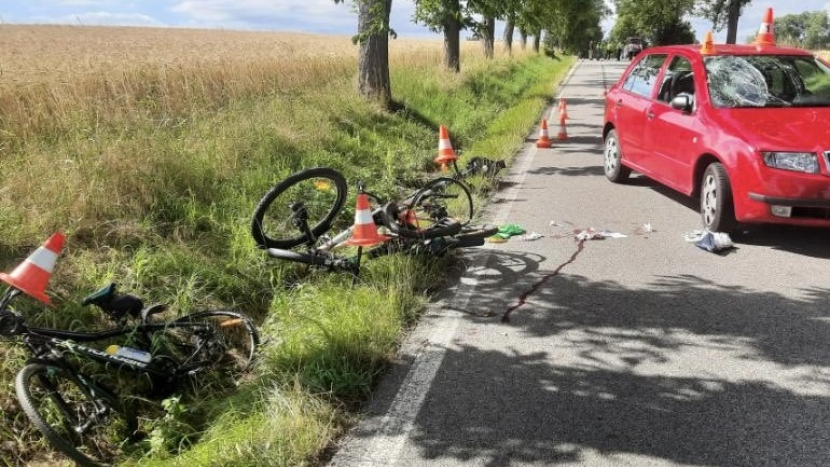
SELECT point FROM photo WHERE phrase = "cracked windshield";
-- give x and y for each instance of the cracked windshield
(768, 81)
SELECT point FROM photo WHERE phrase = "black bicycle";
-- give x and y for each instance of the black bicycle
(476, 166)
(303, 208)
(76, 411)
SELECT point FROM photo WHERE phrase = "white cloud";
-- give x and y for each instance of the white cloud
(86, 3)
(267, 13)
(102, 18)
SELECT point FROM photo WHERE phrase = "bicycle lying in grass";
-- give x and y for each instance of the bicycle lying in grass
(301, 210)
(476, 166)
(75, 411)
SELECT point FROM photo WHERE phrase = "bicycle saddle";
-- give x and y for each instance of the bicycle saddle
(115, 306)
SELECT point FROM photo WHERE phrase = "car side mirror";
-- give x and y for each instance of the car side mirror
(683, 103)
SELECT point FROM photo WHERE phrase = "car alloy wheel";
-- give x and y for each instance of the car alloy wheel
(614, 169)
(716, 206)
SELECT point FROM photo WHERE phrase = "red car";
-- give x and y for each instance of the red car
(746, 128)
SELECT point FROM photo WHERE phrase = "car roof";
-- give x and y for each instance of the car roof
(732, 49)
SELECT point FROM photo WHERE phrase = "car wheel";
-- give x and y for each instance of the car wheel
(716, 206)
(614, 169)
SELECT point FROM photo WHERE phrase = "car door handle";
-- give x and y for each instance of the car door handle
(650, 115)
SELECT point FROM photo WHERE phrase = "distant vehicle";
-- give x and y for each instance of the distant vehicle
(633, 46)
(743, 127)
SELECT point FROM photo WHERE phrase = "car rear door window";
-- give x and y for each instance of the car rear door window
(642, 78)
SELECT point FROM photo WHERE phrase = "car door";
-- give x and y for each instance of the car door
(632, 103)
(670, 133)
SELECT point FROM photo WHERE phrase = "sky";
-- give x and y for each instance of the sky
(313, 16)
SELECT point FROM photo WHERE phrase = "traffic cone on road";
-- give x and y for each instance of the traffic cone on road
(563, 114)
(365, 232)
(544, 140)
(766, 34)
(563, 131)
(32, 275)
(445, 151)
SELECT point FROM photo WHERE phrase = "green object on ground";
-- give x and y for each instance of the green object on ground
(509, 230)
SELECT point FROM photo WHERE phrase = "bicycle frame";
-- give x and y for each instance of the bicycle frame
(51, 344)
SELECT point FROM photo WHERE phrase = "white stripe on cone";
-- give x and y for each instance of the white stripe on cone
(444, 144)
(44, 259)
(363, 217)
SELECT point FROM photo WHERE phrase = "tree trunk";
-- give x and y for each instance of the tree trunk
(489, 36)
(452, 45)
(537, 40)
(733, 14)
(523, 37)
(373, 62)
(509, 26)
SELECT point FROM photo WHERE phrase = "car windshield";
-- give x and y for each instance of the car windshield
(767, 81)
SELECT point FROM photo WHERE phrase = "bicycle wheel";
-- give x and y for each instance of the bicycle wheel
(320, 190)
(426, 213)
(220, 340)
(76, 418)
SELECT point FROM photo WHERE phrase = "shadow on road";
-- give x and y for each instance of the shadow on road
(611, 401)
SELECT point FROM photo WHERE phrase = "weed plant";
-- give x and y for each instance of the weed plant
(154, 178)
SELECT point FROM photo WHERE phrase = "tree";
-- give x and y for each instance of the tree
(810, 30)
(723, 13)
(373, 33)
(571, 25)
(489, 10)
(675, 32)
(643, 18)
(448, 17)
(509, 28)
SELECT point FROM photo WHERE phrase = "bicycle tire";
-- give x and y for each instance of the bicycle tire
(228, 343)
(323, 193)
(40, 384)
(424, 213)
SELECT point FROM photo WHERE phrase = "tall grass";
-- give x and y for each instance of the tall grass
(153, 172)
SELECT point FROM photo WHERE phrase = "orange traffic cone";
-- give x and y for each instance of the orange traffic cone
(765, 32)
(445, 151)
(544, 140)
(708, 46)
(32, 275)
(563, 114)
(365, 231)
(563, 131)
(561, 106)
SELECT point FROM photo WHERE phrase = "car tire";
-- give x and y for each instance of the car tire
(717, 209)
(614, 168)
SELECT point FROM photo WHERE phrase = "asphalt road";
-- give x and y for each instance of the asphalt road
(638, 351)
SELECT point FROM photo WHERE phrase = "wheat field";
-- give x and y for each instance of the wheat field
(52, 75)
(66, 53)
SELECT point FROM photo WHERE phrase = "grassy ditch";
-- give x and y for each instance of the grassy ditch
(158, 198)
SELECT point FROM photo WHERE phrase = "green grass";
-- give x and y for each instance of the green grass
(161, 206)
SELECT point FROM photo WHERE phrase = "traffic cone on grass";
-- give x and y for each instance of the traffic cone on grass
(544, 140)
(445, 151)
(365, 232)
(32, 275)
